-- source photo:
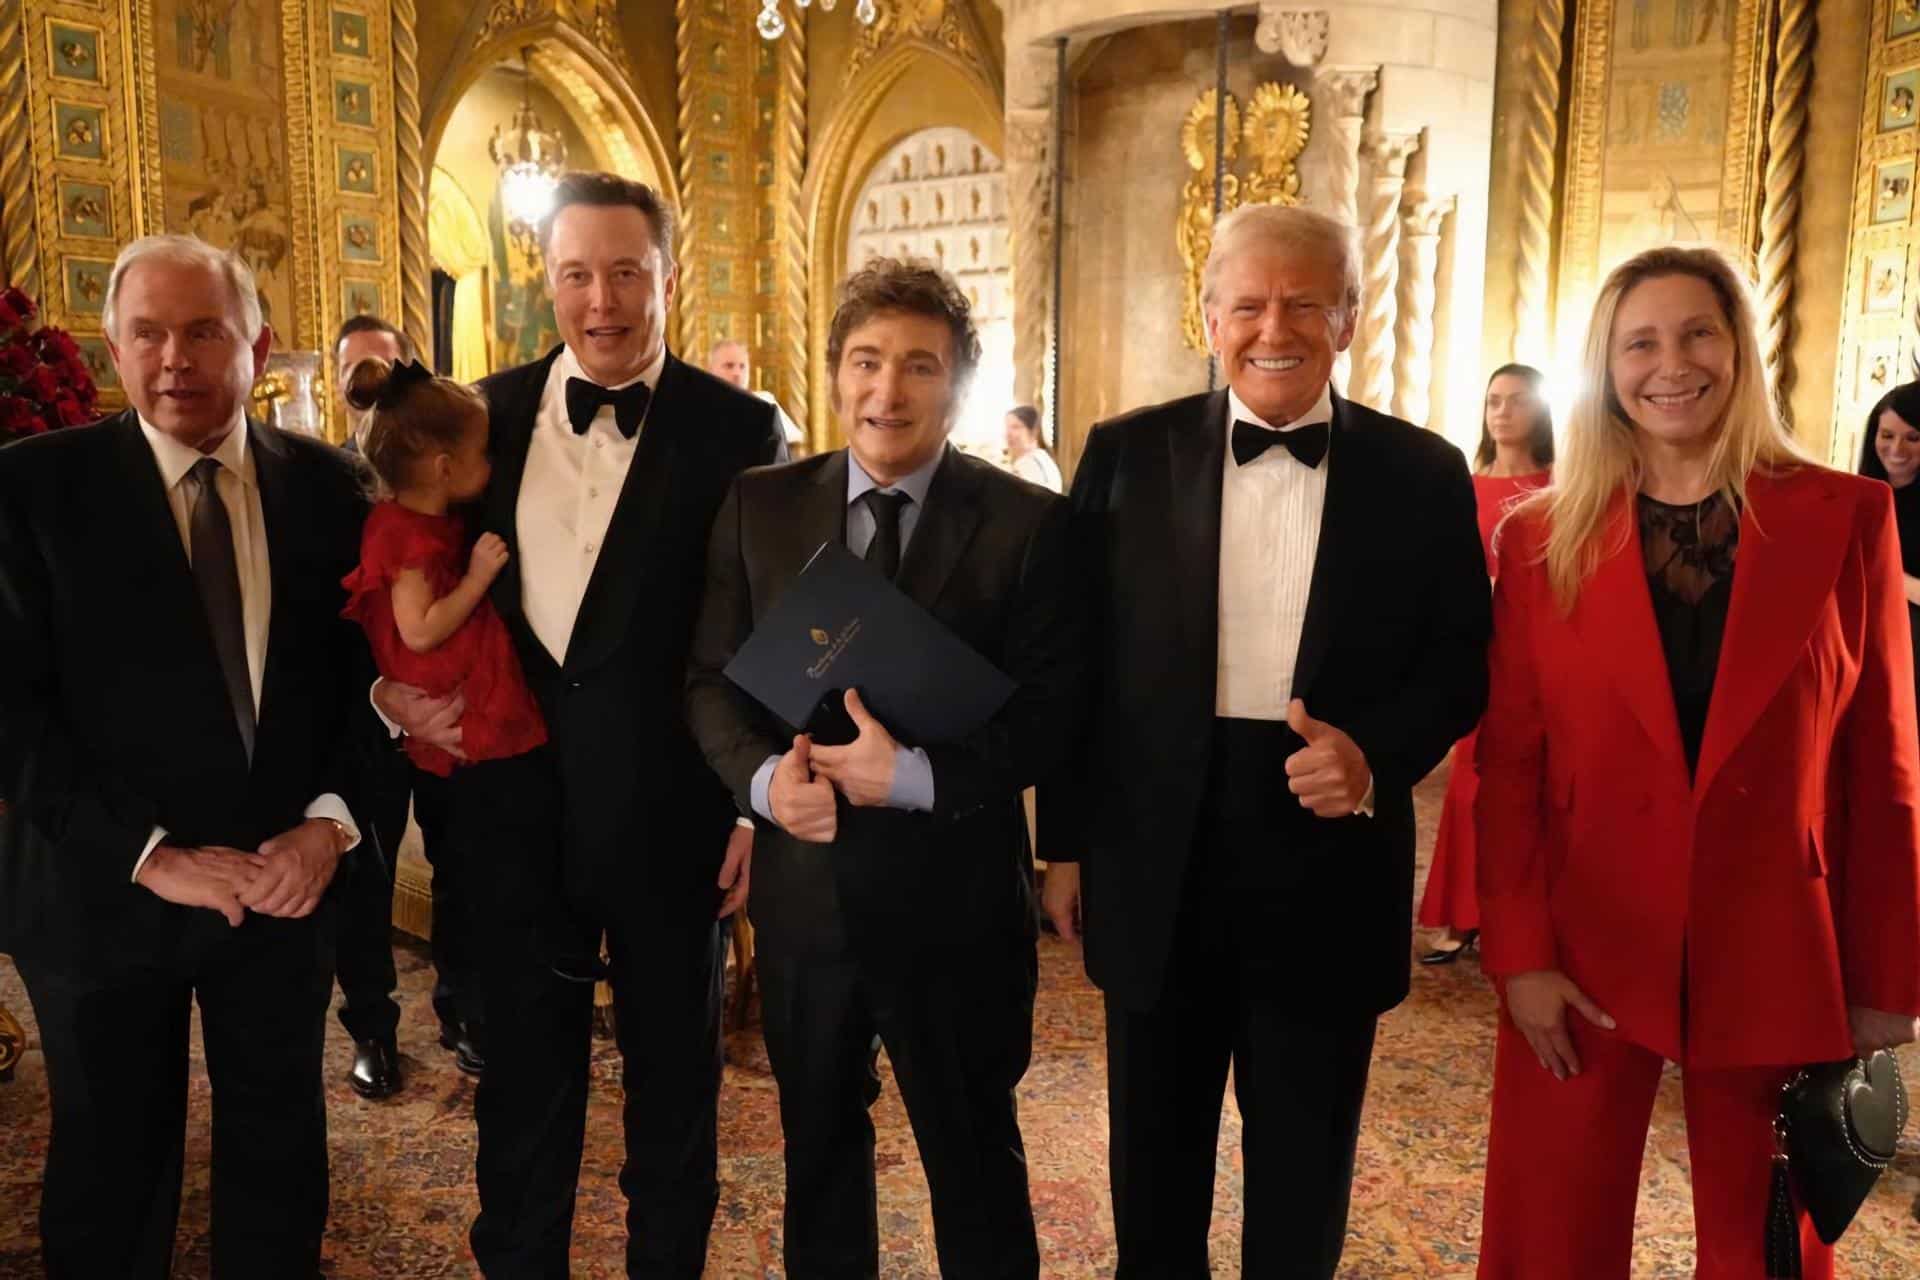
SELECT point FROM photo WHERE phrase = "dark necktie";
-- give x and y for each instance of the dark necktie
(883, 553)
(585, 398)
(1309, 444)
(217, 575)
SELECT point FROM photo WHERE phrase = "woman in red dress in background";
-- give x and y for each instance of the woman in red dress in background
(1515, 457)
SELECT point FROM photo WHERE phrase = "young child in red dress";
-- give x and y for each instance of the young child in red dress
(421, 595)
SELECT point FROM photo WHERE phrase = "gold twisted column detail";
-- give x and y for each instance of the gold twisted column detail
(1420, 217)
(1786, 158)
(688, 297)
(16, 153)
(1387, 154)
(1539, 131)
(1029, 194)
(410, 166)
(1344, 92)
(791, 166)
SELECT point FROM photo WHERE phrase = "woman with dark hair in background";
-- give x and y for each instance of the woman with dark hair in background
(1891, 452)
(1515, 457)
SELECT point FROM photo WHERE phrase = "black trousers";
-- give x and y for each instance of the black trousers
(364, 963)
(116, 1055)
(958, 1029)
(531, 1106)
(1299, 1076)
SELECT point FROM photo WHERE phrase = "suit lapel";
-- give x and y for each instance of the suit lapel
(1614, 620)
(620, 569)
(821, 515)
(1332, 580)
(945, 528)
(1196, 461)
(1791, 542)
(510, 434)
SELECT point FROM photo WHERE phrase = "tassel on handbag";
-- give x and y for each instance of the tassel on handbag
(1783, 1225)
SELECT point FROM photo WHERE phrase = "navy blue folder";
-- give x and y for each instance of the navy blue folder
(841, 625)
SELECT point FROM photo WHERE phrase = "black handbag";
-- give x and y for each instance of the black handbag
(1836, 1131)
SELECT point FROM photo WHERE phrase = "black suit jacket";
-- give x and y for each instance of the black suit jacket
(988, 558)
(645, 820)
(114, 718)
(1393, 651)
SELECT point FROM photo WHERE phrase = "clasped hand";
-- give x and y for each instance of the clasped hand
(286, 878)
(802, 794)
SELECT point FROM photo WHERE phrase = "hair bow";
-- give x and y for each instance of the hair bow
(401, 380)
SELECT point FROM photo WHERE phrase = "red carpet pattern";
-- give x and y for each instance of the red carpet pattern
(403, 1196)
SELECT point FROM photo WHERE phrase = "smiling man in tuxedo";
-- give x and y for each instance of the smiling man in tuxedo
(1292, 617)
(610, 457)
(178, 740)
(894, 900)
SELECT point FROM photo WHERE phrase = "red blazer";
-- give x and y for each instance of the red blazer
(1729, 922)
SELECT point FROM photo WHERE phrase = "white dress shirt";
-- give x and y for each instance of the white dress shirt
(1269, 535)
(1038, 467)
(568, 492)
(239, 491)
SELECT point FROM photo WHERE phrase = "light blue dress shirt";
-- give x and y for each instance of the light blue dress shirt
(912, 771)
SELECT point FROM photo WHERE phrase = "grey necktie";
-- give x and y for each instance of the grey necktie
(217, 575)
(883, 553)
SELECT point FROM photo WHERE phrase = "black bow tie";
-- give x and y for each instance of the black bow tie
(1309, 444)
(585, 398)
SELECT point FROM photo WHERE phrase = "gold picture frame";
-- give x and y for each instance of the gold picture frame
(1669, 91)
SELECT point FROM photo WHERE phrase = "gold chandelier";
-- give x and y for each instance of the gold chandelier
(531, 159)
(772, 26)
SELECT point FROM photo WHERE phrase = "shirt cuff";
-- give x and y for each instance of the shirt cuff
(758, 794)
(333, 807)
(912, 781)
(153, 842)
(744, 821)
(393, 730)
(1365, 807)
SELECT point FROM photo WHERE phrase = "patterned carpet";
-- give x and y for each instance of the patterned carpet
(402, 1194)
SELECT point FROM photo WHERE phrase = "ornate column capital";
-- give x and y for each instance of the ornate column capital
(1346, 89)
(1388, 151)
(1421, 213)
(1299, 34)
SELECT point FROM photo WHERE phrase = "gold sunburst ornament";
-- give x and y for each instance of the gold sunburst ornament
(1194, 232)
(1278, 122)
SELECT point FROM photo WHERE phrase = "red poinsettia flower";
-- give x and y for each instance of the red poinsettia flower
(19, 416)
(10, 318)
(71, 412)
(56, 342)
(16, 360)
(41, 384)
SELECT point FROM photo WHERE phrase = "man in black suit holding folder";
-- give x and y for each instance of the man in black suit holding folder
(892, 896)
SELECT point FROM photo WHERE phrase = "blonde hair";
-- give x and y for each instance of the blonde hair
(1602, 458)
(1285, 227)
(187, 251)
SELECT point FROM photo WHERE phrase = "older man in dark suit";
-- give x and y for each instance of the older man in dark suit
(1292, 619)
(178, 705)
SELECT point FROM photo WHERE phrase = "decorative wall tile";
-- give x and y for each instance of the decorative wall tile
(73, 52)
(99, 360)
(86, 281)
(1892, 193)
(359, 238)
(1900, 100)
(86, 209)
(353, 102)
(361, 298)
(350, 37)
(355, 172)
(79, 130)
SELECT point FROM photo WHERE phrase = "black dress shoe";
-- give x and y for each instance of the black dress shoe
(1447, 955)
(466, 1049)
(376, 1069)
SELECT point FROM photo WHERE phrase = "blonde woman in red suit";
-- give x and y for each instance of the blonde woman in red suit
(1515, 457)
(1699, 771)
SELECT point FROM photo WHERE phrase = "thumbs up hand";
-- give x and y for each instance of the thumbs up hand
(802, 804)
(1330, 774)
(863, 769)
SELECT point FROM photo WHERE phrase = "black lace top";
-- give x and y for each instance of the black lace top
(1689, 554)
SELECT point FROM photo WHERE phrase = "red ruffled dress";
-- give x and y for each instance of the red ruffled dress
(502, 719)
(1451, 900)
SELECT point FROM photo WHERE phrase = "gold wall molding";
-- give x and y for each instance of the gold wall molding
(944, 24)
(1880, 326)
(690, 295)
(303, 115)
(1733, 41)
(1539, 136)
(785, 356)
(831, 187)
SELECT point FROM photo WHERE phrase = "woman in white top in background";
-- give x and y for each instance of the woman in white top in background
(1026, 456)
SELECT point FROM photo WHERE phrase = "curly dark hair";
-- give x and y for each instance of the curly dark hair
(912, 286)
(610, 190)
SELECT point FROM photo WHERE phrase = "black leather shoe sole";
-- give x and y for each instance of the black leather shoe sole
(466, 1055)
(375, 1074)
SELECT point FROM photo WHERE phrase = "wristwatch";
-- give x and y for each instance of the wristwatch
(340, 830)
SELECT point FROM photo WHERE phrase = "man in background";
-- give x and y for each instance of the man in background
(728, 360)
